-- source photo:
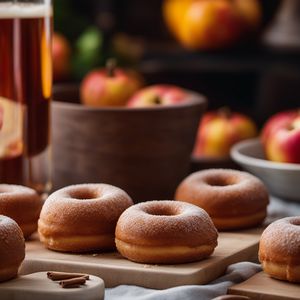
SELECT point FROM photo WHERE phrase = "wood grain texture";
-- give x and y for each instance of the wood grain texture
(263, 287)
(144, 151)
(115, 270)
(37, 286)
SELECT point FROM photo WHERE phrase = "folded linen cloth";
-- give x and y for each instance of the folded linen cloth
(235, 273)
(281, 208)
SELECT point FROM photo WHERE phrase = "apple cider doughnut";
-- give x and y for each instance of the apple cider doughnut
(82, 218)
(12, 248)
(22, 204)
(233, 199)
(279, 249)
(165, 232)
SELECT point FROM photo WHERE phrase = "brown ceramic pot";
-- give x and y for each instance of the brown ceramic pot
(145, 151)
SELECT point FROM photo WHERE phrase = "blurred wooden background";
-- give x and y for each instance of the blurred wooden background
(250, 78)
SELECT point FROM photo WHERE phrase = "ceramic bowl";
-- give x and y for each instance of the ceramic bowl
(282, 179)
(145, 151)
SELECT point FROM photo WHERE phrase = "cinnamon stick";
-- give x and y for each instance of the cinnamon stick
(72, 283)
(64, 275)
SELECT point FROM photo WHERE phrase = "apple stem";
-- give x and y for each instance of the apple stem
(225, 112)
(291, 127)
(157, 100)
(111, 67)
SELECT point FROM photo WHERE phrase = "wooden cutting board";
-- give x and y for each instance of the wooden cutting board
(37, 286)
(263, 287)
(115, 270)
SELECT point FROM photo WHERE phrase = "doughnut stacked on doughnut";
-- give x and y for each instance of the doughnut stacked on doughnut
(279, 249)
(12, 248)
(165, 232)
(82, 218)
(233, 199)
(22, 204)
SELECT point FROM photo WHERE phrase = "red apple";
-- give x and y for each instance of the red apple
(219, 131)
(61, 54)
(251, 12)
(211, 24)
(277, 121)
(162, 94)
(109, 86)
(281, 137)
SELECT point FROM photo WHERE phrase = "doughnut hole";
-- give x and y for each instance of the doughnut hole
(162, 211)
(220, 181)
(295, 222)
(84, 194)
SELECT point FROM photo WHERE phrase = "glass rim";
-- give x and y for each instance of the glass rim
(25, 9)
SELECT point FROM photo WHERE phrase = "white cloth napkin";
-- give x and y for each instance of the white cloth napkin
(280, 209)
(235, 273)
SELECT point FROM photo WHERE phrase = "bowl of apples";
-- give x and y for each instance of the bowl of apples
(275, 157)
(112, 130)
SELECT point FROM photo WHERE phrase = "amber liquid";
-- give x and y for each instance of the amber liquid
(25, 93)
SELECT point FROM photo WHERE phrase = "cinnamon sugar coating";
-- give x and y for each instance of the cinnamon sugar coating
(279, 249)
(12, 248)
(22, 204)
(165, 232)
(226, 194)
(82, 217)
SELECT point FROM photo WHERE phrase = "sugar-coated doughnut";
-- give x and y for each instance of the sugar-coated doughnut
(279, 249)
(233, 199)
(22, 204)
(165, 232)
(12, 248)
(82, 218)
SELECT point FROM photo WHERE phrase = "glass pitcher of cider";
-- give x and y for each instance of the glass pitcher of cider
(25, 93)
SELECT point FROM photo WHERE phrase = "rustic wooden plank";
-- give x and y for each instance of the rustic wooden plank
(37, 286)
(263, 287)
(115, 270)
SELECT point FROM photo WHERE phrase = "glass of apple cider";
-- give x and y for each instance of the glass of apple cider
(25, 93)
